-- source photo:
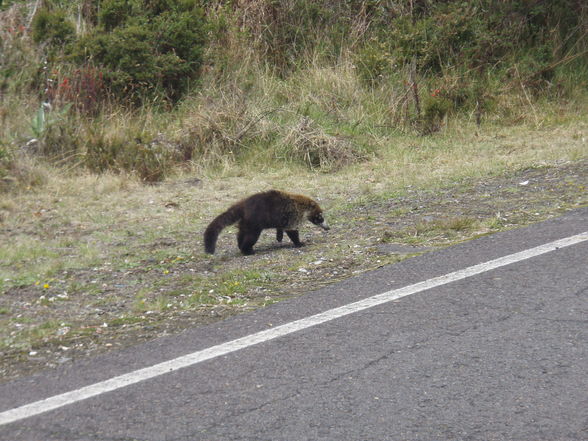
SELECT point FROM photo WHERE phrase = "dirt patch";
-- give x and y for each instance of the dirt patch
(505, 201)
(160, 285)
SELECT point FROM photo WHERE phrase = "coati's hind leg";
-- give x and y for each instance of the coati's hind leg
(295, 238)
(279, 234)
(246, 238)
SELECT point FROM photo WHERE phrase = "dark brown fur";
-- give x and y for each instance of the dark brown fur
(271, 209)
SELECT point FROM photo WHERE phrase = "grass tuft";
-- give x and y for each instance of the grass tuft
(307, 142)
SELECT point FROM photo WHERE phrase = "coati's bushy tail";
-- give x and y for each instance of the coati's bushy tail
(222, 221)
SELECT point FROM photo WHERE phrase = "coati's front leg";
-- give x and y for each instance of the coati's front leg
(246, 238)
(279, 234)
(294, 237)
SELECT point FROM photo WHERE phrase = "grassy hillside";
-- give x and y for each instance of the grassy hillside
(150, 86)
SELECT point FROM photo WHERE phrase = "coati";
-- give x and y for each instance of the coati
(270, 209)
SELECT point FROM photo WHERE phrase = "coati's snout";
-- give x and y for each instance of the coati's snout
(317, 219)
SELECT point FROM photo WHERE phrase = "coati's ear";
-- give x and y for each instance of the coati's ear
(317, 219)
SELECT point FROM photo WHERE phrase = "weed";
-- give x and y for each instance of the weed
(439, 230)
(457, 224)
(43, 120)
(43, 332)
(495, 223)
(202, 299)
(308, 143)
(82, 87)
(124, 320)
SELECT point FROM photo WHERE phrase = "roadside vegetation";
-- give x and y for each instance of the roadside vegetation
(127, 125)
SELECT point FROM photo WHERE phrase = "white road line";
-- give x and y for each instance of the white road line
(133, 377)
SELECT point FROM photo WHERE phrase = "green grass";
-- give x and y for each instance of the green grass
(84, 239)
(87, 248)
(440, 230)
(147, 269)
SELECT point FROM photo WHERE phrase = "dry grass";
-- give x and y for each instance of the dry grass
(317, 149)
(78, 250)
(221, 127)
(84, 250)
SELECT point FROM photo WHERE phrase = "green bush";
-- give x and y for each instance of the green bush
(4, 4)
(373, 62)
(148, 158)
(52, 27)
(114, 13)
(438, 40)
(145, 49)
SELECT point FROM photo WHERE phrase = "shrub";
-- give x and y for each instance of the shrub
(150, 159)
(114, 13)
(82, 87)
(308, 143)
(52, 27)
(373, 61)
(435, 108)
(222, 126)
(18, 172)
(286, 32)
(437, 40)
(146, 49)
(125, 56)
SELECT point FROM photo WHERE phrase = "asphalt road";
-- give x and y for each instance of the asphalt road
(497, 355)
